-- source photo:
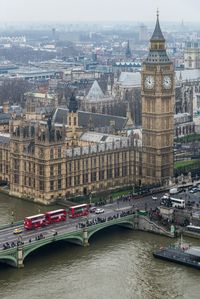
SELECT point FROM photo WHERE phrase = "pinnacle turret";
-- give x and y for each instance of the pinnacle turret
(73, 105)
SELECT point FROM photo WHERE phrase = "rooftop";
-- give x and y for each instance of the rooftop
(130, 79)
(95, 92)
(157, 34)
(100, 137)
(87, 119)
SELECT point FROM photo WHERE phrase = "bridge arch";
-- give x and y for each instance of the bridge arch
(45, 242)
(9, 260)
(126, 223)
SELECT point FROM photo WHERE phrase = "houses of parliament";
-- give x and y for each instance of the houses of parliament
(43, 160)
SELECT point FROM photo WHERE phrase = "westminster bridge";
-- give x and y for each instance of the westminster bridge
(77, 231)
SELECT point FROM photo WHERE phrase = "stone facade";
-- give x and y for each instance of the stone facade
(50, 162)
(192, 55)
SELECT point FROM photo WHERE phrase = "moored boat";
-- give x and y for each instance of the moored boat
(183, 254)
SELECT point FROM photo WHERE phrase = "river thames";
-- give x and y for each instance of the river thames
(118, 264)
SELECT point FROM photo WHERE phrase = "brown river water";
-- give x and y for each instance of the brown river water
(118, 264)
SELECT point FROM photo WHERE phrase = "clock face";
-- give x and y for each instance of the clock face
(149, 82)
(167, 82)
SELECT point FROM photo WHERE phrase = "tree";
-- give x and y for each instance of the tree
(13, 90)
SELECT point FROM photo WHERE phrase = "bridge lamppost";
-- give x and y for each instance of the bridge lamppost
(118, 203)
(13, 217)
(90, 198)
(133, 189)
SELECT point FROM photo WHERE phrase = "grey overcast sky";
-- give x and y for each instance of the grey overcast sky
(98, 10)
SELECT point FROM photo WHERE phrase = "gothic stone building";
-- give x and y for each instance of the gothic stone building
(45, 161)
(48, 162)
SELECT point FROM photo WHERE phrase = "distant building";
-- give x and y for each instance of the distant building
(128, 53)
(183, 125)
(98, 102)
(38, 105)
(143, 33)
(192, 55)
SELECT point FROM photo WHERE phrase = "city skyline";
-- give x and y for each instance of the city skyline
(93, 10)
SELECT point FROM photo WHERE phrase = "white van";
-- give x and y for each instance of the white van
(173, 191)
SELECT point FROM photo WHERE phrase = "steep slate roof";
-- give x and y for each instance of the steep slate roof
(84, 118)
(157, 34)
(95, 92)
(157, 56)
(129, 79)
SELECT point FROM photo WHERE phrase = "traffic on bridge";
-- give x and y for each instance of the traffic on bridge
(41, 226)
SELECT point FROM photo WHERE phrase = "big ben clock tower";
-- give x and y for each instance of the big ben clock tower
(157, 92)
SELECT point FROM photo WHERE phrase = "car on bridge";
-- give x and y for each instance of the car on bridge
(93, 209)
(17, 231)
(99, 211)
(154, 197)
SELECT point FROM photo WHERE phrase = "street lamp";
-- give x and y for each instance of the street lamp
(133, 189)
(118, 203)
(13, 215)
(90, 198)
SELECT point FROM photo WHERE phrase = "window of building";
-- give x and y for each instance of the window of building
(93, 177)
(51, 170)
(101, 175)
(59, 169)
(59, 152)
(41, 169)
(16, 164)
(117, 172)
(51, 153)
(16, 178)
(68, 182)
(85, 178)
(109, 173)
(124, 171)
(94, 163)
(51, 185)
(41, 185)
(59, 184)
(77, 180)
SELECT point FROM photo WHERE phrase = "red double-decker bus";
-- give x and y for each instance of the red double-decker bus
(79, 210)
(56, 216)
(35, 221)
